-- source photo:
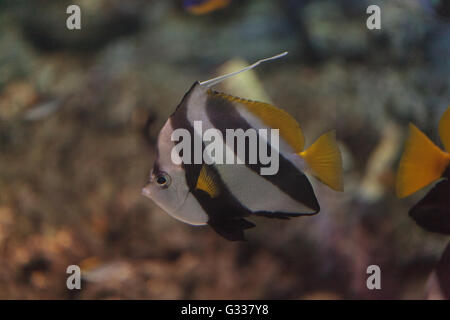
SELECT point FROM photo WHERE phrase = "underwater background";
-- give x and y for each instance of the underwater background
(80, 111)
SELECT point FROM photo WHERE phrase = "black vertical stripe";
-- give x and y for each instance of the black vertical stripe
(225, 213)
(178, 120)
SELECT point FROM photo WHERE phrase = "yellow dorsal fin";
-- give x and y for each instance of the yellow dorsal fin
(324, 159)
(274, 118)
(444, 129)
(422, 163)
(207, 182)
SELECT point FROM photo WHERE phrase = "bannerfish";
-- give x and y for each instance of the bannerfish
(433, 212)
(439, 8)
(423, 163)
(200, 7)
(222, 195)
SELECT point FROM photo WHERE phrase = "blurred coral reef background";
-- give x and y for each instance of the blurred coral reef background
(80, 111)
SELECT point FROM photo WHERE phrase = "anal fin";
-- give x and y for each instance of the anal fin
(231, 229)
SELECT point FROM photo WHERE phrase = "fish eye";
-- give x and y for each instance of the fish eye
(163, 180)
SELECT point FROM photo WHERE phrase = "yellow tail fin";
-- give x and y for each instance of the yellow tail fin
(324, 159)
(422, 163)
(444, 129)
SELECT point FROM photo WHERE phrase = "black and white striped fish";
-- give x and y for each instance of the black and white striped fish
(223, 195)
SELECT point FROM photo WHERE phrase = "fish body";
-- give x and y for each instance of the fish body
(223, 195)
(440, 8)
(433, 212)
(423, 163)
(200, 7)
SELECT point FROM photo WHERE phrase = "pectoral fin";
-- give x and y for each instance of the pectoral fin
(208, 181)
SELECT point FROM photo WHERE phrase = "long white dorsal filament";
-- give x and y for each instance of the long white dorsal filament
(211, 82)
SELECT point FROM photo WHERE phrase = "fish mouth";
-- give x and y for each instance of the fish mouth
(146, 192)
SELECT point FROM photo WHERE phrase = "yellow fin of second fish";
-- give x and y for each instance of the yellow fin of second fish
(444, 129)
(324, 159)
(208, 6)
(422, 163)
(206, 182)
(274, 118)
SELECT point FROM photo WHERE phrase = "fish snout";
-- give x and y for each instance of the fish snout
(146, 191)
